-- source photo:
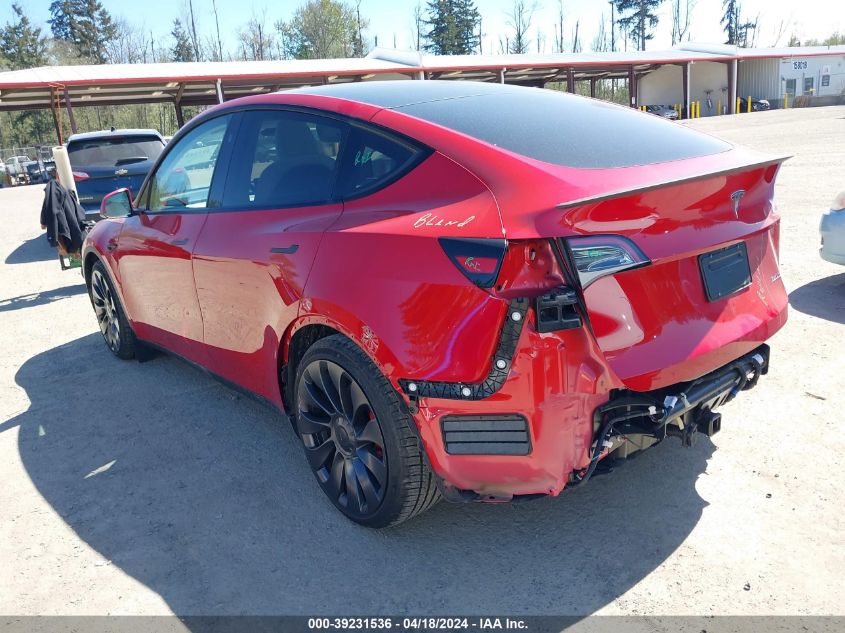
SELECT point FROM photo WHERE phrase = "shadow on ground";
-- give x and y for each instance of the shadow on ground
(206, 499)
(40, 298)
(823, 298)
(32, 250)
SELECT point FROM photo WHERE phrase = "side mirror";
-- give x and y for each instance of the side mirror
(117, 204)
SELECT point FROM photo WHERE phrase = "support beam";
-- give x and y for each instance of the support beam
(220, 95)
(54, 107)
(732, 77)
(632, 87)
(420, 75)
(570, 81)
(593, 87)
(685, 73)
(69, 109)
(500, 75)
(180, 116)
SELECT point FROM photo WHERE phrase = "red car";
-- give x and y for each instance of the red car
(455, 289)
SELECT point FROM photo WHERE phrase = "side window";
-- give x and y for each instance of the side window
(183, 179)
(283, 159)
(371, 160)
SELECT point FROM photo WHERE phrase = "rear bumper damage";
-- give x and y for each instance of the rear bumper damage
(494, 450)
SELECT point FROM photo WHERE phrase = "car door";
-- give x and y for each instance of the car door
(155, 244)
(254, 254)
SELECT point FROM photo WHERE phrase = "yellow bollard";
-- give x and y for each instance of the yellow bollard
(696, 109)
(785, 100)
(736, 109)
(749, 104)
(719, 107)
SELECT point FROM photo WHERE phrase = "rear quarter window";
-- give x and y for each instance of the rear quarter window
(567, 130)
(373, 159)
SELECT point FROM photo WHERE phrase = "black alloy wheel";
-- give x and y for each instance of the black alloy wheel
(342, 437)
(358, 435)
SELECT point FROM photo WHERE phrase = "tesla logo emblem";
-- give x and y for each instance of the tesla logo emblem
(736, 196)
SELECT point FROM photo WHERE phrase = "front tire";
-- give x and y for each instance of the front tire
(110, 314)
(357, 436)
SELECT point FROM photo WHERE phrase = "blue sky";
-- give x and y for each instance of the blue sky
(391, 19)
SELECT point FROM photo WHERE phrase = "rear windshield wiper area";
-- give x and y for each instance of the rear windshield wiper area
(130, 160)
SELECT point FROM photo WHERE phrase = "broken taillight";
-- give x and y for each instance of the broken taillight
(595, 256)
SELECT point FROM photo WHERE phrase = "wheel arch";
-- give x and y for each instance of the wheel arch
(309, 329)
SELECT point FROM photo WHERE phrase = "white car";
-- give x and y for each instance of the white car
(833, 232)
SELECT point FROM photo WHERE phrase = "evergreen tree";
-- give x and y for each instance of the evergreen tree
(182, 50)
(21, 44)
(24, 46)
(736, 28)
(86, 25)
(638, 18)
(453, 27)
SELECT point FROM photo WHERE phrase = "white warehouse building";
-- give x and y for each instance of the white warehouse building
(816, 72)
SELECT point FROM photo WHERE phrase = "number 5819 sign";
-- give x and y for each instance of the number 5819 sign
(799, 65)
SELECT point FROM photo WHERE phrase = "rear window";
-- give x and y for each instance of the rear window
(114, 151)
(566, 130)
(373, 159)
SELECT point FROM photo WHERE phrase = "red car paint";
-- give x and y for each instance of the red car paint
(207, 286)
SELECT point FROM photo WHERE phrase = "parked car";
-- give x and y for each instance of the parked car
(111, 159)
(35, 172)
(15, 167)
(3, 175)
(832, 231)
(757, 105)
(454, 289)
(667, 112)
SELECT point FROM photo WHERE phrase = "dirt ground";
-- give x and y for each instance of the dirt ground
(149, 488)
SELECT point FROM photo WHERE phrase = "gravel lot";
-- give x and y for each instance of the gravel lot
(149, 488)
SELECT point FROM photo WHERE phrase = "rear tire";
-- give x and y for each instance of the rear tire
(357, 436)
(110, 314)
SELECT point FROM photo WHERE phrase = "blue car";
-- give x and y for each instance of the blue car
(105, 161)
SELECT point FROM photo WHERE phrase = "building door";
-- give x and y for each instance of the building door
(808, 86)
(790, 88)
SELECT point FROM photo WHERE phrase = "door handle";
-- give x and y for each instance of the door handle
(179, 242)
(285, 250)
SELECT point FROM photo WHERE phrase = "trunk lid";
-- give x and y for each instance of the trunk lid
(695, 305)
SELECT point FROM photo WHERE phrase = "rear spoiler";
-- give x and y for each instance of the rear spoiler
(667, 183)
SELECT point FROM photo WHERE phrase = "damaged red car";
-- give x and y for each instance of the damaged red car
(453, 289)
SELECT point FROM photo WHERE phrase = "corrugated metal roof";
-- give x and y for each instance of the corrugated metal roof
(196, 83)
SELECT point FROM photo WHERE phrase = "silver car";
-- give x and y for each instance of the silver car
(833, 232)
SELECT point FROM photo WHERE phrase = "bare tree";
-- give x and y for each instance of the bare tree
(600, 41)
(192, 28)
(781, 29)
(417, 27)
(519, 19)
(576, 45)
(217, 26)
(256, 40)
(681, 14)
(129, 45)
(559, 28)
(541, 41)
